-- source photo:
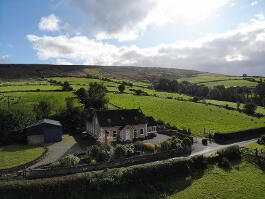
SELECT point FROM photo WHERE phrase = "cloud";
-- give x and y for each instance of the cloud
(4, 58)
(127, 20)
(234, 52)
(253, 3)
(49, 23)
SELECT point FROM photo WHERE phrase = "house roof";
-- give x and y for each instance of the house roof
(46, 121)
(107, 118)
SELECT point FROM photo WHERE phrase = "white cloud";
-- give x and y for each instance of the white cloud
(49, 23)
(253, 3)
(4, 58)
(234, 52)
(63, 62)
(126, 20)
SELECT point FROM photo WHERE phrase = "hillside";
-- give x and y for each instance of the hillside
(26, 71)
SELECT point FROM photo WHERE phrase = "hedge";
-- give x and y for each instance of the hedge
(91, 184)
(224, 138)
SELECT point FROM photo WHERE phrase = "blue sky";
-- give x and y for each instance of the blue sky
(222, 36)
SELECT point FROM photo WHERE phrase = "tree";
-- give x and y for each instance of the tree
(43, 109)
(250, 108)
(121, 88)
(12, 124)
(67, 86)
(95, 97)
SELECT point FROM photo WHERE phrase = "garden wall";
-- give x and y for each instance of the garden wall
(224, 138)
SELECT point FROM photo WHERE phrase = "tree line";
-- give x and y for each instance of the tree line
(233, 94)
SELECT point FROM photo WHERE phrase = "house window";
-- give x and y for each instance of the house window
(141, 131)
(114, 134)
(135, 133)
(106, 133)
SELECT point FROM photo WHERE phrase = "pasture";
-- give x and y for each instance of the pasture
(230, 83)
(188, 114)
(260, 109)
(14, 155)
(245, 182)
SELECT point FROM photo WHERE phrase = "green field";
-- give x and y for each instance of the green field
(204, 77)
(210, 80)
(260, 109)
(30, 87)
(14, 155)
(229, 83)
(188, 114)
(26, 100)
(246, 182)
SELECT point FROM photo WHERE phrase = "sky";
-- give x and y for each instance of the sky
(219, 36)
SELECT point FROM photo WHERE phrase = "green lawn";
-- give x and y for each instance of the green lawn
(14, 155)
(188, 114)
(246, 182)
(254, 146)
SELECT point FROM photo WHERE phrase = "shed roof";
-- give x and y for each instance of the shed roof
(46, 121)
(107, 118)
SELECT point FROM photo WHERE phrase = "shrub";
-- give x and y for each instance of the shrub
(148, 147)
(100, 153)
(121, 151)
(224, 163)
(250, 108)
(69, 161)
(261, 140)
(231, 152)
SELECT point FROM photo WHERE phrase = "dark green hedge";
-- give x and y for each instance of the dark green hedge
(94, 184)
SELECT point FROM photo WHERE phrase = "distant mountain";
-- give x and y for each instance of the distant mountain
(148, 74)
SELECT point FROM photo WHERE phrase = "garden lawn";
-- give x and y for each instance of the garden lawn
(188, 114)
(14, 155)
(246, 182)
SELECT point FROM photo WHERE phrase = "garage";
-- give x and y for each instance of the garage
(44, 131)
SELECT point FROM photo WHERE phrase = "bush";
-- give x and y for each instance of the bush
(224, 163)
(69, 161)
(261, 140)
(250, 108)
(148, 147)
(122, 151)
(100, 153)
(151, 135)
(231, 152)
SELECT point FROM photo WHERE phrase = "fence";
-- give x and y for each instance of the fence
(115, 163)
(254, 156)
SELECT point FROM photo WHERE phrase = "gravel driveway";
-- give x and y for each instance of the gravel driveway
(158, 139)
(59, 149)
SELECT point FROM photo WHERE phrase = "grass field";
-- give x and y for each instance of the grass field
(260, 109)
(188, 114)
(229, 83)
(26, 100)
(246, 182)
(204, 77)
(30, 87)
(14, 155)
(254, 145)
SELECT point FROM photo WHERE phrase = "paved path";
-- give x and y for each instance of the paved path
(58, 150)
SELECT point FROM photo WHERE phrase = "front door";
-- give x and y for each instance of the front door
(127, 134)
